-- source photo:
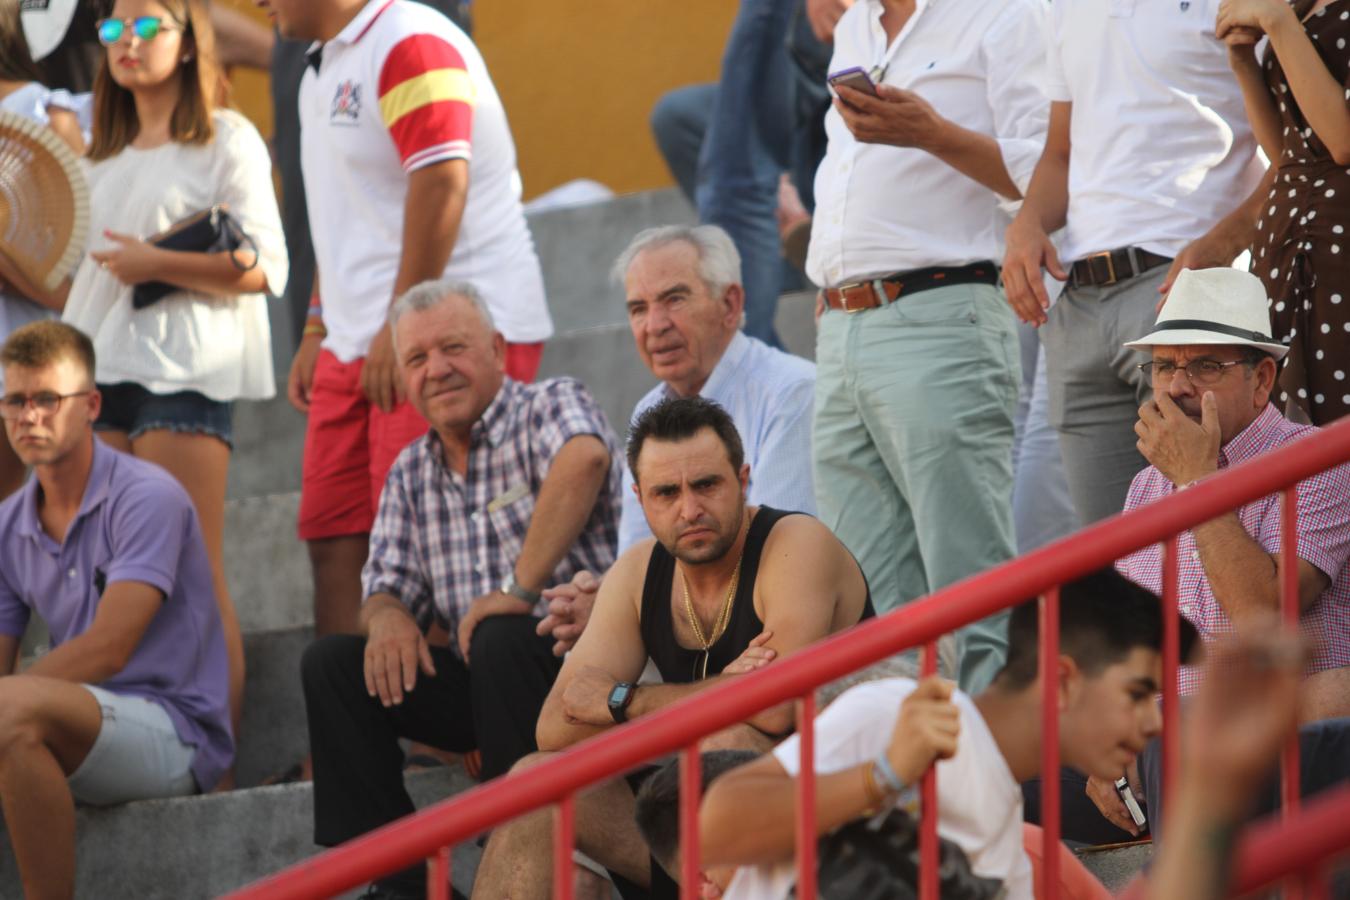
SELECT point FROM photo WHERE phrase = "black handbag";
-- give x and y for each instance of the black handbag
(878, 859)
(213, 230)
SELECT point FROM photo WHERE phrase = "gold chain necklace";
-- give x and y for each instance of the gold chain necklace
(719, 626)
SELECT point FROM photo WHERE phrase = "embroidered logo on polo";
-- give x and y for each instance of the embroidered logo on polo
(1185, 5)
(346, 109)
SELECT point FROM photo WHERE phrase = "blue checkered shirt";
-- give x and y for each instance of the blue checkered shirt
(441, 540)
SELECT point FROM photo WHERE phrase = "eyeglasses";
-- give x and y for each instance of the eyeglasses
(1200, 371)
(12, 406)
(110, 31)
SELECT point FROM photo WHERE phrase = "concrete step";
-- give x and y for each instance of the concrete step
(269, 436)
(1116, 865)
(274, 734)
(266, 566)
(193, 848)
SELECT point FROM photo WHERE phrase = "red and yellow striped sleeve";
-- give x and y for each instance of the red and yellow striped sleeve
(426, 101)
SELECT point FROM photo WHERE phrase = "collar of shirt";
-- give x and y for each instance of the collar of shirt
(1253, 440)
(95, 492)
(878, 32)
(720, 378)
(355, 30)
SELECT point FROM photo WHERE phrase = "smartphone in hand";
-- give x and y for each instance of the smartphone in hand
(855, 77)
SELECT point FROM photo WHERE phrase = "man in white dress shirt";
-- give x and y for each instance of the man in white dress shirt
(917, 359)
(686, 306)
(1144, 105)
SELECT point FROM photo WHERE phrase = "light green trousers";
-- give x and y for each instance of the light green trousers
(913, 448)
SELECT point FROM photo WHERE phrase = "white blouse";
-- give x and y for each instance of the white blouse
(216, 345)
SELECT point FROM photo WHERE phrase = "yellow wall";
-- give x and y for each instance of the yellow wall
(578, 79)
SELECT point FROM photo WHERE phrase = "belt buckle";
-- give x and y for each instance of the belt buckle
(843, 295)
(1110, 267)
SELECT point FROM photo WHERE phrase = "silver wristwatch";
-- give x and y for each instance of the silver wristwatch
(513, 588)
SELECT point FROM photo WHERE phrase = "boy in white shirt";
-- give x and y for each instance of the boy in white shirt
(878, 739)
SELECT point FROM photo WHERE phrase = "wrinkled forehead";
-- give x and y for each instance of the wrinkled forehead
(660, 268)
(453, 320)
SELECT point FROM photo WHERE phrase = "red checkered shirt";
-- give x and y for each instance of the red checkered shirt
(1323, 541)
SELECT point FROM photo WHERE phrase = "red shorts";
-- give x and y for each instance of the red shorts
(350, 444)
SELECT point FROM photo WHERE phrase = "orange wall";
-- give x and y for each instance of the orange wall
(578, 79)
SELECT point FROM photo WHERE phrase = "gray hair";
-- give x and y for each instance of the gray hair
(430, 294)
(719, 265)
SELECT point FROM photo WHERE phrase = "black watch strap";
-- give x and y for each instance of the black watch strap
(620, 696)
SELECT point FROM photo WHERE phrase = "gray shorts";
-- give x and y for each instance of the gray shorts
(137, 755)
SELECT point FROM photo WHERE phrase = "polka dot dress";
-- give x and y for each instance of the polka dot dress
(1302, 249)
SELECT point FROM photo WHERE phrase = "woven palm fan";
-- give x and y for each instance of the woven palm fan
(44, 201)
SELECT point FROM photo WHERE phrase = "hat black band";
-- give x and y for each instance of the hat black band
(1202, 325)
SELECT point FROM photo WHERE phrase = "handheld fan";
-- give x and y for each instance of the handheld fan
(44, 201)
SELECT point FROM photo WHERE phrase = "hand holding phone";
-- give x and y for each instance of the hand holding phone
(856, 78)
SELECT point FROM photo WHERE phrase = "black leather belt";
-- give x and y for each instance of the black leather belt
(860, 295)
(1111, 266)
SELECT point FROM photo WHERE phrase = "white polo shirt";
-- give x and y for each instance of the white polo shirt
(1161, 145)
(402, 88)
(882, 209)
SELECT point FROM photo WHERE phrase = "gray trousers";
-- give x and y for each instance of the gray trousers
(1096, 389)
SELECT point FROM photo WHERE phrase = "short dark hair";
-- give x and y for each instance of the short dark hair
(658, 800)
(1102, 617)
(39, 344)
(680, 418)
(1253, 357)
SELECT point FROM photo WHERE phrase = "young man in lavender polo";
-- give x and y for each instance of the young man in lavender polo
(131, 701)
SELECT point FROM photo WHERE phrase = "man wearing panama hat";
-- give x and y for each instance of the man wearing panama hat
(1212, 370)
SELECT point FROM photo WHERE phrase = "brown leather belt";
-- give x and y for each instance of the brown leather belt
(857, 296)
(1111, 266)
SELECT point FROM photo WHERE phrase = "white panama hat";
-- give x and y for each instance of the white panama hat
(1214, 306)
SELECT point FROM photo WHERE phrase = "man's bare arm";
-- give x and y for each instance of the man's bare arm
(1244, 576)
(577, 475)
(612, 642)
(123, 615)
(240, 40)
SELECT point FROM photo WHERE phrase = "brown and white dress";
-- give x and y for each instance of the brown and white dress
(1302, 248)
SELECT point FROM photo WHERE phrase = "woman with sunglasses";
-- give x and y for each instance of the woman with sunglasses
(162, 152)
(22, 92)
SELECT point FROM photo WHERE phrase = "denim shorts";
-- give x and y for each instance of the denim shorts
(132, 409)
(136, 756)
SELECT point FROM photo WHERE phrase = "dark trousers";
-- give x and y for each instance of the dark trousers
(358, 765)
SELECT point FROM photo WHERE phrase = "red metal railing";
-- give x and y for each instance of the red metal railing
(1267, 854)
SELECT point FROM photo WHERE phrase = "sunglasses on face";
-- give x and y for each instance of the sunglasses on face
(110, 31)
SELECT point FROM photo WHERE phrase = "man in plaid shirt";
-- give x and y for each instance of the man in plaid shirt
(514, 487)
(1213, 367)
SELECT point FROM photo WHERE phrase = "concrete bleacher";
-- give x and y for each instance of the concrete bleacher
(200, 847)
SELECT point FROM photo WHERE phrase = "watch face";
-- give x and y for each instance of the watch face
(618, 696)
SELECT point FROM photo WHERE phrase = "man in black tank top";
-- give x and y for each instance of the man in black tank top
(723, 589)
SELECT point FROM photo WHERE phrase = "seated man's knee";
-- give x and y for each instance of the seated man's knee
(330, 656)
(498, 640)
(20, 722)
